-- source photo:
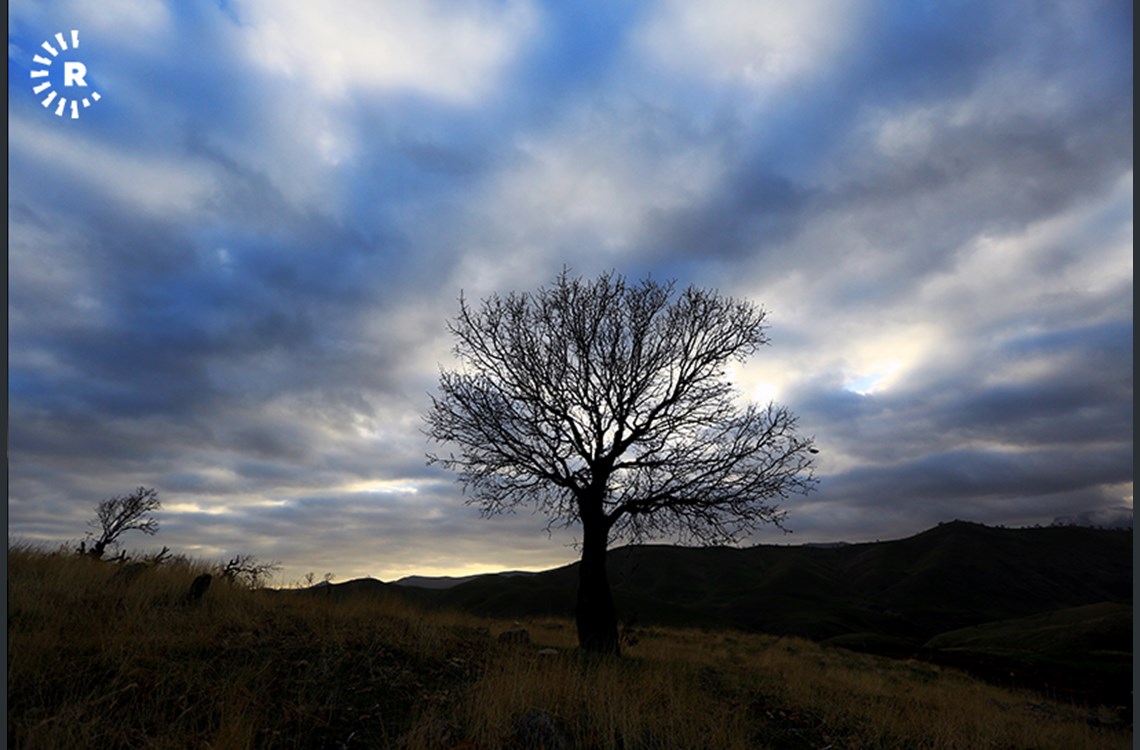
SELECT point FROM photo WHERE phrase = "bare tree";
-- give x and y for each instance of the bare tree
(248, 570)
(117, 515)
(604, 403)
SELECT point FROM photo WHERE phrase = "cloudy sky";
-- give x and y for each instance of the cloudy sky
(229, 277)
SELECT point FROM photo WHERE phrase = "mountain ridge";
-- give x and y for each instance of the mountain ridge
(446, 582)
(954, 575)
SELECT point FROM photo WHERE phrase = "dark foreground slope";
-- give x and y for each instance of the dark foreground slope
(950, 577)
(98, 658)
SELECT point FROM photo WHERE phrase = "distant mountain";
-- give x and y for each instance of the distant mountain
(446, 582)
(433, 582)
(1119, 517)
(953, 576)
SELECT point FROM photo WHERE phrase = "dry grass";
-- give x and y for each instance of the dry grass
(96, 661)
(856, 700)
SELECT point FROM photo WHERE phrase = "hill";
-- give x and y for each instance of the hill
(446, 582)
(1063, 634)
(950, 577)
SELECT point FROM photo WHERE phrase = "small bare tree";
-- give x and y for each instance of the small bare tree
(248, 571)
(605, 404)
(117, 515)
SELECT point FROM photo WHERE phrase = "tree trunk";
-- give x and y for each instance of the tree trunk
(595, 613)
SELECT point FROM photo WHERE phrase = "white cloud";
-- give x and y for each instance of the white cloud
(130, 21)
(1075, 255)
(445, 51)
(764, 44)
(590, 191)
(162, 186)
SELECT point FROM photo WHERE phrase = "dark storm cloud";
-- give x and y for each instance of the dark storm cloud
(1054, 440)
(1012, 120)
(968, 475)
(1078, 395)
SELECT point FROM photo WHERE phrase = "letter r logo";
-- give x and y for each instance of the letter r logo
(74, 76)
(73, 73)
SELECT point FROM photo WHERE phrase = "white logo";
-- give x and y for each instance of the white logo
(74, 77)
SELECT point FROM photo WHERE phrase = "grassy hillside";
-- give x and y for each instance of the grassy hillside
(953, 576)
(1104, 628)
(97, 659)
(1085, 648)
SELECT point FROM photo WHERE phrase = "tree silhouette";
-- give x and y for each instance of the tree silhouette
(604, 403)
(120, 514)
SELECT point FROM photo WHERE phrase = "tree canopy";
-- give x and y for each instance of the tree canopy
(591, 382)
